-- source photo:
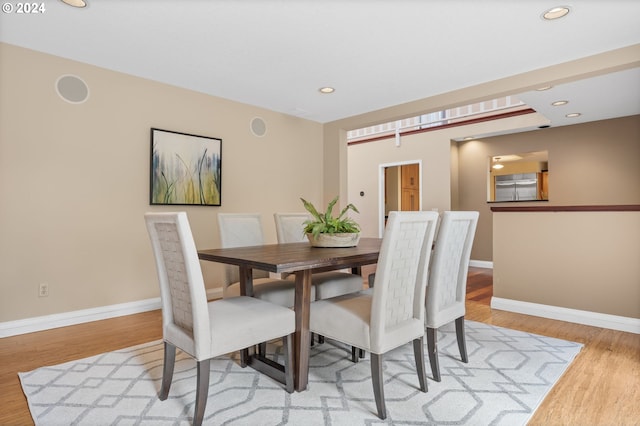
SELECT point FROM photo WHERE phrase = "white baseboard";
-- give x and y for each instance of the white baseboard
(596, 319)
(481, 264)
(47, 322)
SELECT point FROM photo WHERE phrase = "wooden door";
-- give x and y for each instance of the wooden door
(410, 182)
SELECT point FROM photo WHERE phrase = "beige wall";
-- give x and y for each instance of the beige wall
(584, 261)
(74, 179)
(589, 164)
(440, 166)
(339, 179)
(467, 180)
(393, 197)
(579, 260)
(334, 133)
(364, 176)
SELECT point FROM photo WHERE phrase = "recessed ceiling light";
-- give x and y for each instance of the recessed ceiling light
(540, 89)
(555, 13)
(573, 115)
(326, 89)
(558, 103)
(75, 3)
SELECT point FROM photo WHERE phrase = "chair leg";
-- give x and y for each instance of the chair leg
(244, 357)
(462, 344)
(167, 370)
(418, 353)
(202, 391)
(361, 353)
(432, 348)
(287, 347)
(378, 384)
(262, 349)
(354, 354)
(313, 338)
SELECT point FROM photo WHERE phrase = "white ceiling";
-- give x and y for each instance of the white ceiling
(599, 98)
(277, 53)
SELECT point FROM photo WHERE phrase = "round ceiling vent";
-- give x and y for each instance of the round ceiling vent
(72, 89)
(258, 127)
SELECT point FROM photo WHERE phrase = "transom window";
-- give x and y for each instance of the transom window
(438, 118)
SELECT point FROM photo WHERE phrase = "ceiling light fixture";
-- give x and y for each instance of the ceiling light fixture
(540, 89)
(559, 103)
(573, 115)
(555, 13)
(496, 163)
(75, 3)
(326, 90)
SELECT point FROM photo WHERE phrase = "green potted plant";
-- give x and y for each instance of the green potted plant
(326, 230)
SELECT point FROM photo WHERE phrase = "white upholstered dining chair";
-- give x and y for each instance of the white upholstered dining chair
(202, 329)
(242, 230)
(446, 293)
(390, 314)
(290, 229)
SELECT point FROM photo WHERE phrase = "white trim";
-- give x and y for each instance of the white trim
(596, 319)
(481, 264)
(381, 192)
(46, 322)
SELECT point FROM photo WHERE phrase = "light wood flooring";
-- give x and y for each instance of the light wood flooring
(601, 387)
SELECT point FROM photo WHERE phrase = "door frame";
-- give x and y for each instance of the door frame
(381, 187)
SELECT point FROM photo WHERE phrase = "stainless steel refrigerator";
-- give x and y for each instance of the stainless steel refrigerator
(517, 187)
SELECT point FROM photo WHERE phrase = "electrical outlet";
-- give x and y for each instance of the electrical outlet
(43, 290)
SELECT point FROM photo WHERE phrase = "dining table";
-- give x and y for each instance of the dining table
(300, 259)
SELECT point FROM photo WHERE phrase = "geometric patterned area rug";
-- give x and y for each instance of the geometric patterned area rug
(507, 377)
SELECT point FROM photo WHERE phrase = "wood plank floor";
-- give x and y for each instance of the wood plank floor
(601, 387)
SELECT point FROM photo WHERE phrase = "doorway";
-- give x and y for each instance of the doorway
(400, 189)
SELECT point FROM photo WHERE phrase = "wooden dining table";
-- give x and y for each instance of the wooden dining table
(302, 260)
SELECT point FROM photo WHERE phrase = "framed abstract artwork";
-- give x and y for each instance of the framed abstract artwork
(185, 169)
